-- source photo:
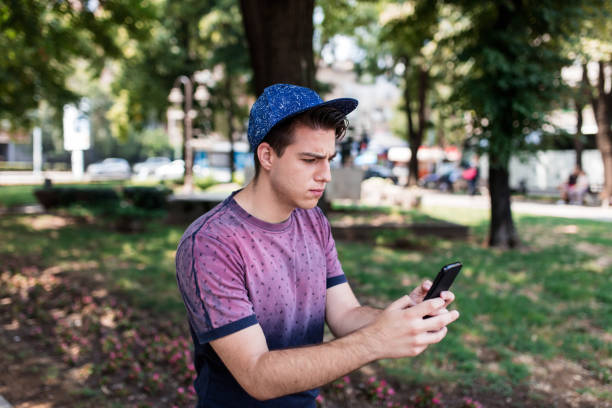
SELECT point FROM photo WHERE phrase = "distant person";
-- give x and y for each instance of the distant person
(471, 175)
(260, 275)
(365, 141)
(346, 151)
(575, 188)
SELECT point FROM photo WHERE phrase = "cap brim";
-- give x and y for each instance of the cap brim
(344, 105)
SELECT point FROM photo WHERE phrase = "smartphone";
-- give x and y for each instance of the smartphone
(443, 281)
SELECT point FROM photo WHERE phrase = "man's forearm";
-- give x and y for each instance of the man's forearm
(355, 319)
(282, 372)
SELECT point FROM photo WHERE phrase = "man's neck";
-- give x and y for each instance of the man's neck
(259, 200)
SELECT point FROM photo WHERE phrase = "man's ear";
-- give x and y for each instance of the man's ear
(266, 155)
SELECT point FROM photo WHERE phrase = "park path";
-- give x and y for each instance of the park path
(436, 199)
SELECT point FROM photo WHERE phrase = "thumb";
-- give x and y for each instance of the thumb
(401, 303)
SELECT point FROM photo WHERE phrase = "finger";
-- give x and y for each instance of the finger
(432, 337)
(440, 311)
(425, 286)
(437, 322)
(420, 291)
(401, 303)
(428, 307)
(448, 297)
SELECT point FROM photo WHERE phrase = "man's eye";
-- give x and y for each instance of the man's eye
(309, 160)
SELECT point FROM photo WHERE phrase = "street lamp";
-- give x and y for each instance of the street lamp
(177, 97)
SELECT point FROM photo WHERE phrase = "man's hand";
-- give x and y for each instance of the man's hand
(420, 291)
(401, 331)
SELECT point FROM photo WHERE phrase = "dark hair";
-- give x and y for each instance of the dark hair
(281, 135)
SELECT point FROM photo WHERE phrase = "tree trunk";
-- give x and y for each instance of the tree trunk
(415, 136)
(280, 34)
(604, 133)
(502, 232)
(578, 143)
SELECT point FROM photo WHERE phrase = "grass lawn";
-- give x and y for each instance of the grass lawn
(13, 196)
(536, 319)
(524, 313)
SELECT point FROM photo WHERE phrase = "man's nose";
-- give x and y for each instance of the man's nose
(324, 172)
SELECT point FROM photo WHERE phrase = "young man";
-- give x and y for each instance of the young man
(260, 275)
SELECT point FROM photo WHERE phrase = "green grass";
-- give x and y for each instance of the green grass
(549, 299)
(12, 196)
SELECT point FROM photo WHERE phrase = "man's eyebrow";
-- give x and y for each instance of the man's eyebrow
(318, 155)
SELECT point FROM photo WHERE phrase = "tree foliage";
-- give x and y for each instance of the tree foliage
(512, 51)
(40, 41)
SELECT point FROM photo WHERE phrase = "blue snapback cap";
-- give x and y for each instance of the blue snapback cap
(282, 101)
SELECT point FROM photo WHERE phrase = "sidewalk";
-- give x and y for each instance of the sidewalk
(28, 177)
(437, 199)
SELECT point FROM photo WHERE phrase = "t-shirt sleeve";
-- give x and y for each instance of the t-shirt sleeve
(335, 274)
(211, 279)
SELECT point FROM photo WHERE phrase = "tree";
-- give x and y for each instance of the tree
(593, 48)
(512, 52)
(409, 37)
(405, 42)
(40, 41)
(279, 35)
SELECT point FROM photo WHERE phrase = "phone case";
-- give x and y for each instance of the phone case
(444, 280)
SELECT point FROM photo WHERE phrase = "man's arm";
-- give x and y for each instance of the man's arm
(398, 331)
(344, 314)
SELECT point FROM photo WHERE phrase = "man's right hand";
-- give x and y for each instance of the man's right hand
(401, 331)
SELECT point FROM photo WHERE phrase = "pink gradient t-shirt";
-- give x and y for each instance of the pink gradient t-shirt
(235, 271)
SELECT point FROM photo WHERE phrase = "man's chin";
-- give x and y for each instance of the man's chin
(308, 203)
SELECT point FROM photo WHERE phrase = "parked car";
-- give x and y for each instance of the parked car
(147, 168)
(171, 171)
(111, 167)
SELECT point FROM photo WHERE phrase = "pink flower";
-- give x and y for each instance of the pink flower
(319, 398)
(435, 401)
(347, 379)
(155, 377)
(371, 380)
(391, 391)
(181, 390)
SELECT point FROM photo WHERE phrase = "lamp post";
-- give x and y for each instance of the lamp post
(177, 97)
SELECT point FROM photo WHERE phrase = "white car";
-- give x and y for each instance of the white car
(148, 167)
(112, 167)
(171, 171)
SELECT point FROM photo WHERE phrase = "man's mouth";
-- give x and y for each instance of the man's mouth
(317, 192)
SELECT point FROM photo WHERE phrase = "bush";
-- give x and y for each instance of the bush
(150, 198)
(66, 196)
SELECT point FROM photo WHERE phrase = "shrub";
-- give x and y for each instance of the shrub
(54, 197)
(148, 197)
